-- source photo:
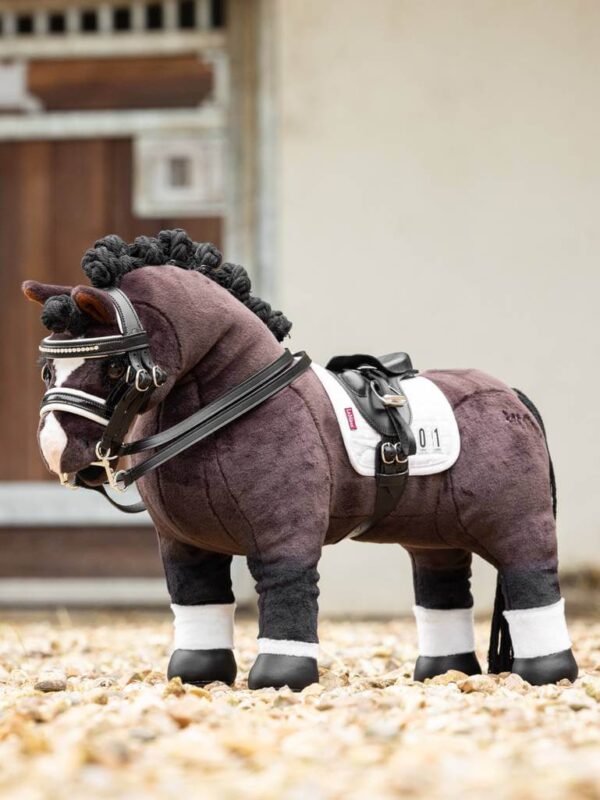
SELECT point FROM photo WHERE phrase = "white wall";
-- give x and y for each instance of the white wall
(439, 183)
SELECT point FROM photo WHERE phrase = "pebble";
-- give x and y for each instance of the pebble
(51, 682)
(515, 683)
(478, 683)
(577, 699)
(313, 690)
(452, 676)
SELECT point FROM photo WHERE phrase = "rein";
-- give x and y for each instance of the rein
(131, 394)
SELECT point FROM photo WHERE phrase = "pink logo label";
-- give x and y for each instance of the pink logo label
(350, 418)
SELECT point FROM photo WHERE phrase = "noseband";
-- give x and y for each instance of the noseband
(130, 396)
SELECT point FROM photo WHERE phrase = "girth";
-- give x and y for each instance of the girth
(374, 386)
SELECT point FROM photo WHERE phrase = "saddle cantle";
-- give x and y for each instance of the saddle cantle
(392, 364)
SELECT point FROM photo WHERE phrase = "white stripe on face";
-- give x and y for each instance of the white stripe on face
(53, 441)
(52, 437)
(63, 367)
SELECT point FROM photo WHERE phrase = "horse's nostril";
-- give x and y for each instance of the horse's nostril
(77, 455)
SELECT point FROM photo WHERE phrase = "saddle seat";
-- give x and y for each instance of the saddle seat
(391, 364)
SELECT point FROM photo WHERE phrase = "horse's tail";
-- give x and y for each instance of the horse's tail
(500, 656)
(538, 418)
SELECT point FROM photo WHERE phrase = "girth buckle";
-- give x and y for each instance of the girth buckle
(391, 453)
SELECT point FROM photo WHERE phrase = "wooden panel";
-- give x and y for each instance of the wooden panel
(73, 553)
(120, 83)
(25, 242)
(80, 213)
(56, 199)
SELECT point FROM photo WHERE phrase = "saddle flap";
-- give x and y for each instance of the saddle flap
(359, 386)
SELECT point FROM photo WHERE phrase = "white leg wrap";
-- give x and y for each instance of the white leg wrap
(444, 632)
(538, 631)
(287, 647)
(203, 627)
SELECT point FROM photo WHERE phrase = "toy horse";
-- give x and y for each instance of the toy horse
(252, 453)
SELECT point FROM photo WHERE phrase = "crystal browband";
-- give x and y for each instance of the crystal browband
(93, 348)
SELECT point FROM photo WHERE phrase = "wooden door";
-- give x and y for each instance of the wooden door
(56, 199)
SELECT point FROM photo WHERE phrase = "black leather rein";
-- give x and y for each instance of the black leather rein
(130, 395)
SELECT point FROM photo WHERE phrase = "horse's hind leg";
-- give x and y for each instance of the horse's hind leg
(536, 619)
(199, 585)
(444, 612)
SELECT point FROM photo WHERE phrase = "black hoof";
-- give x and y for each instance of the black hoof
(202, 666)
(547, 669)
(277, 671)
(430, 666)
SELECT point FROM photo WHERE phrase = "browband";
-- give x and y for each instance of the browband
(98, 347)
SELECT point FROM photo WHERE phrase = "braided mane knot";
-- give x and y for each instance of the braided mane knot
(207, 256)
(107, 262)
(61, 314)
(177, 246)
(111, 259)
(146, 251)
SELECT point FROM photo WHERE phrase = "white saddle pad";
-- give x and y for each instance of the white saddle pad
(432, 422)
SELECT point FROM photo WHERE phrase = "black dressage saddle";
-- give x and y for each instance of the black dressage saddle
(374, 385)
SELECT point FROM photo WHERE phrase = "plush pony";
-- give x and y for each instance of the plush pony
(284, 479)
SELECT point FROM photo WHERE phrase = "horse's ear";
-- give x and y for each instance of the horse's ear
(95, 303)
(40, 292)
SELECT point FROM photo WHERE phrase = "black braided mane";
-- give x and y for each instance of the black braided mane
(111, 258)
(60, 314)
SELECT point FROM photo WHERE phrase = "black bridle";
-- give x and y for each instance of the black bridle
(130, 396)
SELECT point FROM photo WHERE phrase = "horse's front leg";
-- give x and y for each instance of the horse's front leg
(444, 612)
(288, 613)
(202, 601)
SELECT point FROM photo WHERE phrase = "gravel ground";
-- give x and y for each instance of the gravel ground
(86, 712)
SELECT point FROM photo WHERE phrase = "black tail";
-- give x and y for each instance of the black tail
(538, 418)
(500, 655)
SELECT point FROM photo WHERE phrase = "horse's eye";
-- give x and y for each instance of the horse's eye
(46, 373)
(115, 370)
